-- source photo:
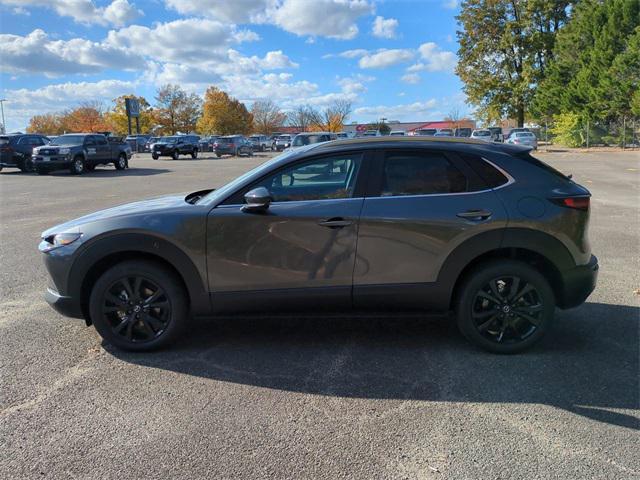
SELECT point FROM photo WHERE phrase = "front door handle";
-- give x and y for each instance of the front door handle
(336, 222)
(476, 215)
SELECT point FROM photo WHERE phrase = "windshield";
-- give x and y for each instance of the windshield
(524, 134)
(482, 133)
(306, 140)
(284, 138)
(69, 140)
(168, 140)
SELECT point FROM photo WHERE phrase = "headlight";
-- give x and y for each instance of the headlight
(58, 240)
(36, 150)
(64, 151)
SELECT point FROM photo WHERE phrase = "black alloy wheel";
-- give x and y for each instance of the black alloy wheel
(121, 163)
(138, 305)
(77, 165)
(504, 306)
(28, 165)
(176, 154)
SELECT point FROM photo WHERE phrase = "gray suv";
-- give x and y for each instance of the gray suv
(485, 231)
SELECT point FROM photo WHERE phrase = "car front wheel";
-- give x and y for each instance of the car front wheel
(121, 163)
(27, 165)
(176, 155)
(139, 305)
(194, 154)
(77, 165)
(504, 306)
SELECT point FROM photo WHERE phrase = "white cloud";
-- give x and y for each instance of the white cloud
(385, 58)
(384, 27)
(412, 78)
(402, 112)
(327, 18)
(450, 4)
(434, 59)
(358, 52)
(117, 13)
(37, 53)
(354, 84)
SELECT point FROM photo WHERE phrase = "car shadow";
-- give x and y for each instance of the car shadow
(111, 172)
(587, 364)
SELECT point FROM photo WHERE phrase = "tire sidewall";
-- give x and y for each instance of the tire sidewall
(121, 163)
(176, 155)
(74, 166)
(479, 277)
(163, 278)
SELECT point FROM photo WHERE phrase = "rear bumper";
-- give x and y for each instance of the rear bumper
(578, 283)
(66, 306)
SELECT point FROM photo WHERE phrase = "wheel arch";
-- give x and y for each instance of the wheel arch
(538, 249)
(106, 252)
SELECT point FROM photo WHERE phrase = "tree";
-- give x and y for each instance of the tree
(223, 115)
(47, 124)
(454, 117)
(595, 67)
(267, 117)
(177, 110)
(88, 117)
(302, 117)
(332, 118)
(505, 47)
(117, 116)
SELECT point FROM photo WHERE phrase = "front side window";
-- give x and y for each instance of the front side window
(422, 173)
(318, 179)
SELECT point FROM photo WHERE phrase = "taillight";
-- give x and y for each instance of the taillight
(578, 203)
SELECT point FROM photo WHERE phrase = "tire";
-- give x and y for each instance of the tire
(194, 154)
(261, 147)
(176, 155)
(154, 156)
(115, 300)
(491, 304)
(27, 165)
(77, 165)
(218, 155)
(121, 162)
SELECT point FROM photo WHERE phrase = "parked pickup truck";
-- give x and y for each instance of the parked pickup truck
(80, 152)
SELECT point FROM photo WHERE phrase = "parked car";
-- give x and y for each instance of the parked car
(463, 132)
(496, 134)
(524, 138)
(342, 135)
(273, 138)
(175, 146)
(372, 133)
(235, 145)
(513, 131)
(283, 142)
(260, 143)
(137, 142)
(397, 133)
(446, 132)
(148, 145)
(426, 132)
(507, 243)
(308, 138)
(80, 152)
(16, 150)
(443, 134)
(206, 143)
(483, 134)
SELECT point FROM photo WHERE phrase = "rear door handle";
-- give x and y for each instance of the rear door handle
(336, 222)
(475, 214)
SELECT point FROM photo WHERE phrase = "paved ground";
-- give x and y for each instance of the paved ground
(308, 398)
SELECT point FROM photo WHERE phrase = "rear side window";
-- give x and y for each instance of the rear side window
(490, 174)
(527, 157)
(420, 173)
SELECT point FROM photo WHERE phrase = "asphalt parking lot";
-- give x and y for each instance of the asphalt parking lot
(314, 397)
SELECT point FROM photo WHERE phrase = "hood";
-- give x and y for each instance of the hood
(145, 207)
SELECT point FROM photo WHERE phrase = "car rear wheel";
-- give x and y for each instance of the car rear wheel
(77, 165)
(139, 306)
(504, 306)
(27, 165)
(121, 163)
(176, 155)
(154, 156)
(218, 155)
(194, 154)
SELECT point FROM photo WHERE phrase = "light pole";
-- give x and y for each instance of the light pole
(4, 125)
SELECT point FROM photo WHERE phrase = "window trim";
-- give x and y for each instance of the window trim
(359, 190)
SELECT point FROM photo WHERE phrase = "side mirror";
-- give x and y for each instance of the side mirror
(257, 200)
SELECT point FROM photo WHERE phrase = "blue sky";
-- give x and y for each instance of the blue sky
(392, 59)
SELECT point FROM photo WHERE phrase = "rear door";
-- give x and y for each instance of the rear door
(422, 204)
(301, 251)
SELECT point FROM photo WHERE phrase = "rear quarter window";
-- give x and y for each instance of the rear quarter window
(490, 174)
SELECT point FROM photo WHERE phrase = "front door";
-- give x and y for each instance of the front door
(422, 205)
(300, 252)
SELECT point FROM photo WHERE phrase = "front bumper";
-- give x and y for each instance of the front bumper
(67, 306)
(52, 161)
(578, 283)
